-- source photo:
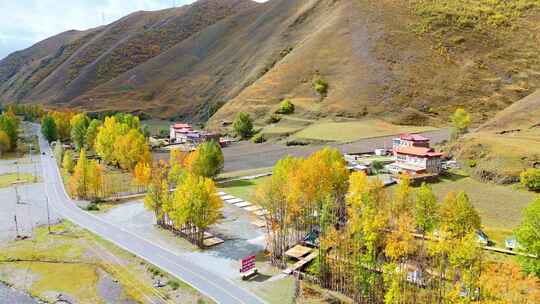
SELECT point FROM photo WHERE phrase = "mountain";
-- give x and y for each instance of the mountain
(410, 62)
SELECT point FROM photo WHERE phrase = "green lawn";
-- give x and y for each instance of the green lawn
(6, 180)
(499, 206)
(354, 130)
(156, 125)
(244, 189)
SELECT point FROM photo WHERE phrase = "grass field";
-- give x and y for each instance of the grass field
(500, 207)
(244, 189)
(156, 125)
(354, 130)
(74, 262)
(6, 180)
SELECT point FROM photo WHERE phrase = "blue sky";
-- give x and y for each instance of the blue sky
(25, 22)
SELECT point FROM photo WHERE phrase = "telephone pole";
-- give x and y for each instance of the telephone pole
(48, 215)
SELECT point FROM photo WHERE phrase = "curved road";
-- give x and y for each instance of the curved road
(219, 289)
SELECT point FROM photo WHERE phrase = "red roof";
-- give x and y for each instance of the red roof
(418, 151)
(413, 137)
(181, 126)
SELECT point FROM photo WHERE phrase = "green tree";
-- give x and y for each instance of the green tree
(243, 125)
(48, 129)
(528, 237)
(207, 160)
(79, 124)
(458, 215)
(67, 162)
(530, 178)
(426, 209)
(321, 86)
(286, 107)
(461, 120)
(91, 133)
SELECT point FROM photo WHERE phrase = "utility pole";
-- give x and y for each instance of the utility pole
(48, 215)
(16, 225)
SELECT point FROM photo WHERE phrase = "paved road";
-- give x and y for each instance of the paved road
(247, 155)
(219, 289)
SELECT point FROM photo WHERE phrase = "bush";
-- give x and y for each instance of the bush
(321, 86)
(531, 179)
(243, 125)
(285, 107)
(471, 163)
(273, 119)
(258, 138)
(93, 206)
(173, 284)
(377, 166)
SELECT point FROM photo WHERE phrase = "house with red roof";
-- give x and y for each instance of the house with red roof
(179, 132)
(414, 155)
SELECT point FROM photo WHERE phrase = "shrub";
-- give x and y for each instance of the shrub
(93, 206)
(173, 284)
(285, 107)
(258, 138)
(273, 119)
(530, 178)
(243, 125)
(321, 86)
(471, 163)
(377, 166)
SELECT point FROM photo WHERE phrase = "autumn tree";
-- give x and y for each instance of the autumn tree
(426, 213)
(91, 133)
(458, 215)
(79, 125)
(528, 237)
(67, 162)
(196, 206)
(106, 139)
(58, 152)
(461, 120)
(48, 129)
(130, 149)
(80, 179)
(142, 174)
(207, 160)
(10, 125)
(5, 143)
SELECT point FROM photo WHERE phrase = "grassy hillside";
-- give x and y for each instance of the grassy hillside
(507, 144)
(406, 61)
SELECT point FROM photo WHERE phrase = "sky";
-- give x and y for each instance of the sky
(25, 22)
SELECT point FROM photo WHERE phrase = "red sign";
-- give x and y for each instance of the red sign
(248, 263)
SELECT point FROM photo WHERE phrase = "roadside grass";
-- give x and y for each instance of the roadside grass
(314, 294)
(280, 291)
(244, 189)
(7, 180)
(70, 261)
(354, 130)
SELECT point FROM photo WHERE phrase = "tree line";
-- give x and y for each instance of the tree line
(376, 246)
(181, 191)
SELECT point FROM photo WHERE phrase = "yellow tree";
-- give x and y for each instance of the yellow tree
(79, 181)
(67, 161)
(196, 205)
(106, 139)
(5, 143)
(142, 174)
(95, 179)
(131, 149)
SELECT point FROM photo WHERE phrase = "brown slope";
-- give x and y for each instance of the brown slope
(17, 69)
(507, 144)
(222, 61)
(111, 50)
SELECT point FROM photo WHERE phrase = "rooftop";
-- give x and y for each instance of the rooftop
(413, 137)
(418, 151)
(181, 126)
